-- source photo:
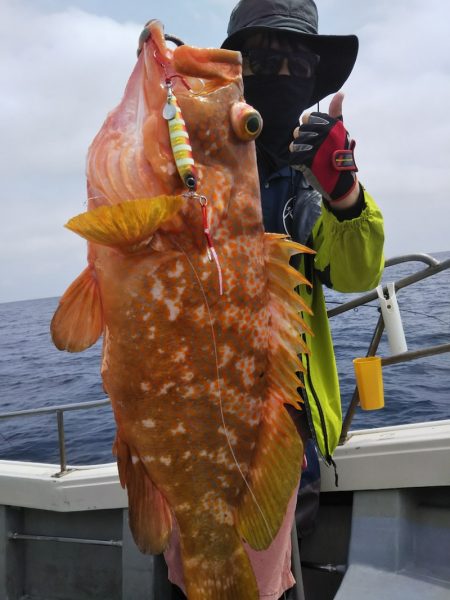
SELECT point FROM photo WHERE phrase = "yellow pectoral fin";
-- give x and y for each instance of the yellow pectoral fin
(78, 321)
(128, 224)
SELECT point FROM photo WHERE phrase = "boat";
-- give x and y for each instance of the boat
(383, 532)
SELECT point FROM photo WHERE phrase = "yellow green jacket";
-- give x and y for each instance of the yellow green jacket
(350, 253)
(349, 258)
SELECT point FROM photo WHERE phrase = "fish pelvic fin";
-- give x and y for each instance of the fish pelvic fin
(276, 463)
(217, 570)
(150, 516)
(78, 321)
(127, 225)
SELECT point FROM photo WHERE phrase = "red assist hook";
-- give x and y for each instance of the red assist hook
(212, 254)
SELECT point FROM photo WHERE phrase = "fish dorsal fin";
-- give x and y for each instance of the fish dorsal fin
(276, 463)
(149, 513)
(126, 225)
(78, 321)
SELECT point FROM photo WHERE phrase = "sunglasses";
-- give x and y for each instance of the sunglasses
(267, 61)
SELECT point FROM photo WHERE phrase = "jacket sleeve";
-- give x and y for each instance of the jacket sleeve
(350, 252)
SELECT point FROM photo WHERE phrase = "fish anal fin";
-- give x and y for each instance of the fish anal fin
(273, 476)
(127, 225)
(150, 516)
(78, 321)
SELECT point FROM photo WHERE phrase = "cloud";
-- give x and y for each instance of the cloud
(63, 72)
(395, 108)
(63, 69)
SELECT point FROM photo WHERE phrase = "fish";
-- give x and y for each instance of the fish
(197, 307)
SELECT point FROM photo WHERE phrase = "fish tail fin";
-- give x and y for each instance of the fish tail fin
(219, 571)
(150, 516)
(78, 321)
(276, 463)
(127, 225)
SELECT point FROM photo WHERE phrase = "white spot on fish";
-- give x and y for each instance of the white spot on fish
(166, 460)
(149, 459)
(174, 310)
(189, 392)
(187, 455)
(146, 316)
(134, 459)
(246, 366)
(149, 423)
(223, 481)
(229, 434)
(157, 289)
(145, 386)
(177, 270)
(151, 332)
(179, 429)
(165, 388)
(226, 354)
(199, 313)
(180, 355)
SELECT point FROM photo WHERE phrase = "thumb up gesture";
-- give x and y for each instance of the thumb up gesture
(323, 151)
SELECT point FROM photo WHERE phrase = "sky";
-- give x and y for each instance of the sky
(64, 65)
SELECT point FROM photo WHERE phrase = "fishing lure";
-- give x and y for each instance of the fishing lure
(179, 140)
(184, 161)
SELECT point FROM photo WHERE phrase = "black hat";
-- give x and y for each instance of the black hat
(299, 18)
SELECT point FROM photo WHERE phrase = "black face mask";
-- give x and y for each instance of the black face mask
(280, 99)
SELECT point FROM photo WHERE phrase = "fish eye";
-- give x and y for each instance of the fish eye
(253, 124)
(247, 122)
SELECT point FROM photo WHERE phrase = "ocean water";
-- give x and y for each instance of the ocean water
(34, 374)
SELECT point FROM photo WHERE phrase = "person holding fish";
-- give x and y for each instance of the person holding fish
(309, 188)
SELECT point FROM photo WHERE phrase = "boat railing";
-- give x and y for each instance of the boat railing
(433, 267)
(58, 411)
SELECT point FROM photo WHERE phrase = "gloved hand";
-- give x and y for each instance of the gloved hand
(323, 151)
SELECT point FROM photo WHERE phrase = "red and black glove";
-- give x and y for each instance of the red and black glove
(323, 151)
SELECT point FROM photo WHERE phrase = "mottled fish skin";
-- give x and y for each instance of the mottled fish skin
(186, 368)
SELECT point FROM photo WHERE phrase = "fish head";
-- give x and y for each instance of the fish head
(219, 124)
(133, 156)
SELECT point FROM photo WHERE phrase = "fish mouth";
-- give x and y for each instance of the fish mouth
(154, 31)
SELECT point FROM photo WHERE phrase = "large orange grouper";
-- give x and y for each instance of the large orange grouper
(201, 325)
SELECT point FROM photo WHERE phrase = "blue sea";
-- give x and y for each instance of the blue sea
(34, 374)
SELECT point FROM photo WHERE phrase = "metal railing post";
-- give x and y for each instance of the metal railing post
(61, 441)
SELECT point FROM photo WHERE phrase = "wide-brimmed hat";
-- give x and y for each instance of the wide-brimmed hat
(297, 18)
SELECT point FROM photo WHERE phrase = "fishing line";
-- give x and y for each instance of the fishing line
(216, 356)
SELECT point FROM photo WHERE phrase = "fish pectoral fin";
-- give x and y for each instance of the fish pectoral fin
(273, 477)
(78, 321)
(150, 516)
(127, 225)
